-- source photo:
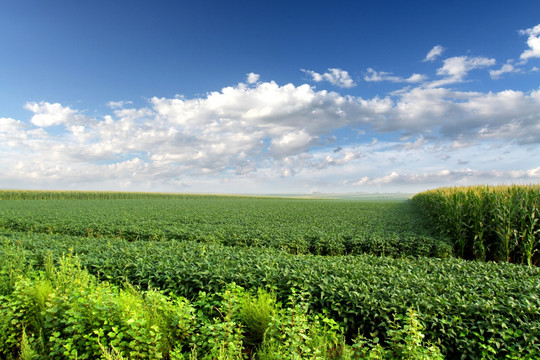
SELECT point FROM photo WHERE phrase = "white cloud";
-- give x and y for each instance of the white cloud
(375, 76)
(10, 126)
(506, 68)
(533, 41)
(344, 159)
(461, 115)
(334, 76)
(280, 135)
(118, 104)
(225, 129)
(452, 177)
(416, 78)
(252, 78)
(455, 69)
(434, 53)
(291, 143)
(322, 162)
(419, 142)
(47, 114)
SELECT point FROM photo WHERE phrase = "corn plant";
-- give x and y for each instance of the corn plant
(487, 223)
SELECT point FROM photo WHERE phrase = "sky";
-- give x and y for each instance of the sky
(268, 97)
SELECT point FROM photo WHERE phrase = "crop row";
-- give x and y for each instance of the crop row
(488, 223)
(466, 307)
(99, 195)
(323, 227)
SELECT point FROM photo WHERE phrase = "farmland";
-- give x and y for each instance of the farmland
(292, 225)
(338, 279)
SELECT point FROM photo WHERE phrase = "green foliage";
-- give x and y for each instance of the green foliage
(294, 334)
(405, 341)
(183, 302)
(456, 298)
(64, 313)
(15, 262)
(111, 354)
(219, 335)
(321, 227)
(27, 352)
(255, 314)
(488, 223)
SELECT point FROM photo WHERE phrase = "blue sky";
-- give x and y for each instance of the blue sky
(268, 97)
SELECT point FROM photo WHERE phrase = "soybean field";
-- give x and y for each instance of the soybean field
(298, 226)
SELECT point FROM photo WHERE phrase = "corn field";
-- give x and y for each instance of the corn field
(489, 223)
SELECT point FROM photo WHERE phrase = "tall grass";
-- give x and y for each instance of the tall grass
(499, 223)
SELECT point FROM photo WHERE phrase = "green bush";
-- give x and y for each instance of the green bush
(255, 314)
(405, 341)
(294, 334)
(63, 312)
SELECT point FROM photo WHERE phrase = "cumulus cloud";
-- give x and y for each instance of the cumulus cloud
(434, 53)
(10, 126)
(235, 128)
(47, 114)
(455, 69)
(533, 41)
(252, 78)
(225, 129)
(291, 143)
(334, 76)
(375, 76)
(467, 115)
(270, 132)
